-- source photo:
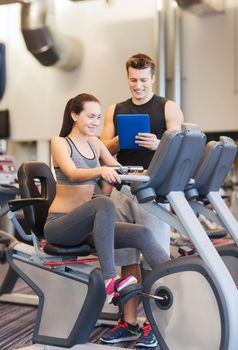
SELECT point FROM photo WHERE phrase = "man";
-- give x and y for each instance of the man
(164, 114)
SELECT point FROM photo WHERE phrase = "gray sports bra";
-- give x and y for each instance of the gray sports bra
(80, 161)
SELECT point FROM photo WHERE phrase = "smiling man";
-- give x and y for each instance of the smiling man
(164, 114)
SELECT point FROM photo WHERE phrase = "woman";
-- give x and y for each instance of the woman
(74, 215)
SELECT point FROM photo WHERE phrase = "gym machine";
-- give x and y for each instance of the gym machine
(188, 284)
(190, 302)
(8, 191)
(208, 179)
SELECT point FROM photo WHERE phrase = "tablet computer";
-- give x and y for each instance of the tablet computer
(128, 126)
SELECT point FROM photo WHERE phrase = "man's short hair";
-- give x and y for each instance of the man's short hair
(140, 61)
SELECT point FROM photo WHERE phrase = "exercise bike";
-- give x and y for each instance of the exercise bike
(203, 194)
(169, 291)
(208, 179)
(166, 322)
(8, 191)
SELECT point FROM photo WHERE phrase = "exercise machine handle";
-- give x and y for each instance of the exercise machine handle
(134, 178)
(124, 170)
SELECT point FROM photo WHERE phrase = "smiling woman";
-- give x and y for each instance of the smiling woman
(77, 153)
(74, 216)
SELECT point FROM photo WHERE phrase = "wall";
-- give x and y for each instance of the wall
(110, 33)
(210, 74)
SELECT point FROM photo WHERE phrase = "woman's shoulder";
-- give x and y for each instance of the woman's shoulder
(58, 140)
(59, 149)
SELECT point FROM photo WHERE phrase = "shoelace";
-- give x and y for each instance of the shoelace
(146, 330)
(124, 325)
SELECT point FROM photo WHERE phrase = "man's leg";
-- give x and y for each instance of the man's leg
(128, 210)
(131, 307)
(161, 232)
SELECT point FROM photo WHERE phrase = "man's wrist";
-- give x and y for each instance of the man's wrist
(156, 144)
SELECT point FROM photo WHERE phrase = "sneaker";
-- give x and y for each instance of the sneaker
(119, 283)
(147, 338)
(123, 331)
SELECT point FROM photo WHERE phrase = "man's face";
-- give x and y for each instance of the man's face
(140, 83)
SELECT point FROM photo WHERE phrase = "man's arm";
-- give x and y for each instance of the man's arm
(108, 133)
(173, 120)
(173, 116)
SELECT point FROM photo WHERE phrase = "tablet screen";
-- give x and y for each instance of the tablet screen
(128, 126)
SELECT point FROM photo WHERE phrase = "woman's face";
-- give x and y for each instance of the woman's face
(89, 119)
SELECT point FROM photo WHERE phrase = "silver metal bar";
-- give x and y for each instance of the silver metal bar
(135, 178)
(158, 210)
(211, 257)
(161, 54)
(152, 296)
(87, 346)
(177, 75)
(18, 227)
(228, 220)
(17, 298)
(199, 208)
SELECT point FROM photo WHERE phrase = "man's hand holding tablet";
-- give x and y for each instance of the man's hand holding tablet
(134, 131)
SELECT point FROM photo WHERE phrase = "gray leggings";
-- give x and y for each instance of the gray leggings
(95, 221)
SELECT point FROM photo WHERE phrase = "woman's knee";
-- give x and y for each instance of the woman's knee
(144, 232)
(105, 205)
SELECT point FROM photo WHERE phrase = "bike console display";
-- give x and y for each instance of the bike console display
(8, 170)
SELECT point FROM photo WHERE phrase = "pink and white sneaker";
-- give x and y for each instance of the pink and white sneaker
(112, 292)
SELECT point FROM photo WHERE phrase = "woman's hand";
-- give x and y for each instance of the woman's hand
(147, 140)
(110, 175)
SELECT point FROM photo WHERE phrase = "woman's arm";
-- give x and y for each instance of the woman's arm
(61, 158)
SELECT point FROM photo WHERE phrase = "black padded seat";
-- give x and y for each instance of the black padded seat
(37, 188)
(78, 250)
